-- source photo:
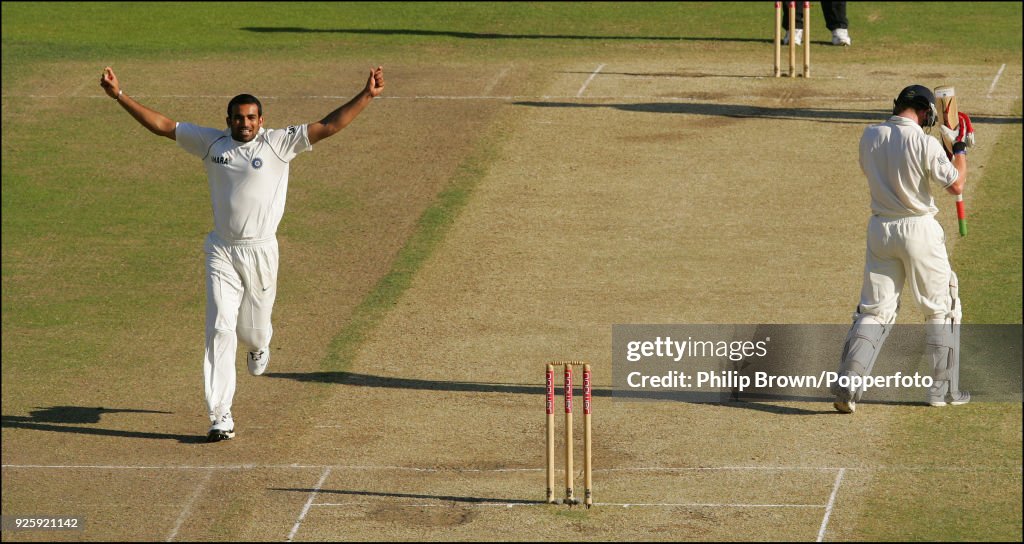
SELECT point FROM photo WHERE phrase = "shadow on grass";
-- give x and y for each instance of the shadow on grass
(746, 111)
(485, 35)
(80, 414)
(449, 498)
(726, 400)
(69, 419)
(794, 411)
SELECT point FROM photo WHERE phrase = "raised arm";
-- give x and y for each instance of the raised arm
(156, 122)
(341, 117)
(957, 141)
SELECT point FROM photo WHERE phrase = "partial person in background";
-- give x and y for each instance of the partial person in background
(835, 21)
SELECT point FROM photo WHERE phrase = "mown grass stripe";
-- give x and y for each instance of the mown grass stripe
(430, 230)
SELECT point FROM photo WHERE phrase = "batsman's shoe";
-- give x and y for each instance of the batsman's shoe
(954, 399)
(841, 36)
(257, 361)
(222, 429)
(798, 34)
(845, 406)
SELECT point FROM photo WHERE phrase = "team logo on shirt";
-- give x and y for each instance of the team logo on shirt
(257, 163)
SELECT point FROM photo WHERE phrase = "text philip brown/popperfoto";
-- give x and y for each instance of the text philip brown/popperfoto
(667, 349)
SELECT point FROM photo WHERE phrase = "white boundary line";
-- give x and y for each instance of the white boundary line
(309, 502)
(589, 79)
(831, 503)
(995, 80)
(186, 511)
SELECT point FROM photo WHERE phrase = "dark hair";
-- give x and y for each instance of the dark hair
(245, 99)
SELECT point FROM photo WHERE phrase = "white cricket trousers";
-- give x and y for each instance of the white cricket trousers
(241, 284)
(911, 251)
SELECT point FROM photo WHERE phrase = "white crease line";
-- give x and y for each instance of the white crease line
(919, 468)
(447, 504)
(996, 80)
(497, 79)
(158, 467)
(707, 505)
(187, 510)
(309, 502)
(589, 79)
(504, 98)
(682, 469)
(831, 503)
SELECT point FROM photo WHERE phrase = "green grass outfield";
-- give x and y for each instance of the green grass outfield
(34, 32)
(93, 244)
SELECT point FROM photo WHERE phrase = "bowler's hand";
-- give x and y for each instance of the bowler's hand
(375, 84)
(109, 82)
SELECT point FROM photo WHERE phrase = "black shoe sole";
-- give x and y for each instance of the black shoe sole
(217, 436)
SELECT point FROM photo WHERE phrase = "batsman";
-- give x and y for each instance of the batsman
(906, 245)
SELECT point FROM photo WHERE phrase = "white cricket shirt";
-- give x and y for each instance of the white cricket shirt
(248, 181)
(900, 160)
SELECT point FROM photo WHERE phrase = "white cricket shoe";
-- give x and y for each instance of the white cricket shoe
(841, 36)
(257, 361)
(798, 34)
(956, 399)
(222, 429)
(845, 406)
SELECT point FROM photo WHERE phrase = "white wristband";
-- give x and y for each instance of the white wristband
(119, 93)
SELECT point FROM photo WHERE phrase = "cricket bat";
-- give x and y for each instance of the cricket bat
(948, 112)
(946, 96)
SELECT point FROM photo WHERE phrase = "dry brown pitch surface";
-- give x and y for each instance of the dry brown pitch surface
(655, 190)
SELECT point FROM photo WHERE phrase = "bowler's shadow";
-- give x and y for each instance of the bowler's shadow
(73, 419)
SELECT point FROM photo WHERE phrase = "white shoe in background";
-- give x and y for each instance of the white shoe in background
(799, 34)
(841, 36)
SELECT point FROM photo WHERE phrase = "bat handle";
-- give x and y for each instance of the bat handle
(961, 215)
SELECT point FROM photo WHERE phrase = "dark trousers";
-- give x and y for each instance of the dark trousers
(835, 15)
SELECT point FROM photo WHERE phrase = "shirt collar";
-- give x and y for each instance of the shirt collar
(900, 120)
(903, 120)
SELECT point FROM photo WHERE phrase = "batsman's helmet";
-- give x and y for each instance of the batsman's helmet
(918, 97)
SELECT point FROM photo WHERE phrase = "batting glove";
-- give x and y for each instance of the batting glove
(963, 135)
